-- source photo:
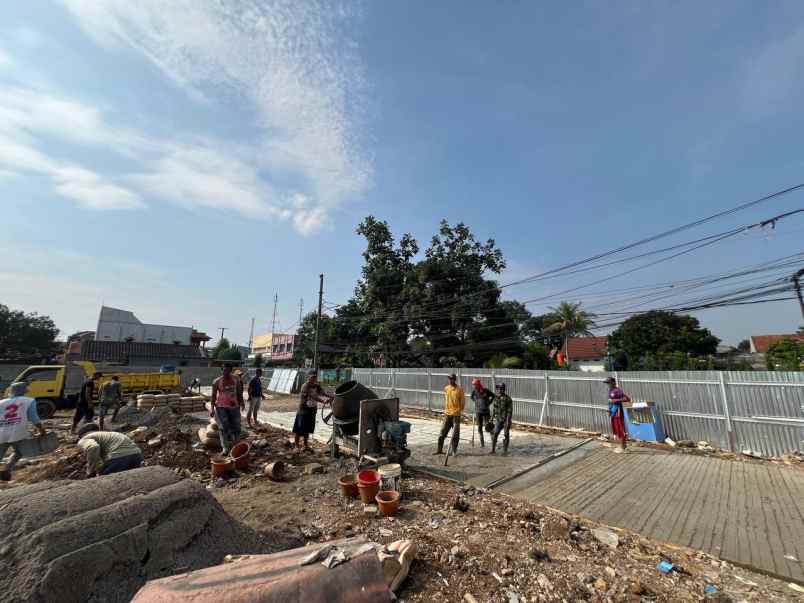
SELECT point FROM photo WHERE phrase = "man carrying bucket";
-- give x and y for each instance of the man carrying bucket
(454, 403)
(16, 414)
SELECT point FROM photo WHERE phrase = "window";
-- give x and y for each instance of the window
(40, 374)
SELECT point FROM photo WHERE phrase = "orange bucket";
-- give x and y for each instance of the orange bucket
(348, 484)
(368, 491)
(239, 455)
(220, 466)
(388, 502)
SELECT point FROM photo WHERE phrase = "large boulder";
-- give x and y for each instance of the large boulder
(101, 539)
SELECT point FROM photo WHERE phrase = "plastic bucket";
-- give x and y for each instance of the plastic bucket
(348, 484)
(368, 476)
(239, 455)
(390, 477)
(388, 502)
(368, 491)
(220, 466)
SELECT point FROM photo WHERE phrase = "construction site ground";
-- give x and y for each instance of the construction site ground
(470, 539)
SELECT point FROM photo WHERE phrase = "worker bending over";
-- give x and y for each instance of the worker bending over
(17, 414)
(503, 414)
(108, 451)
(454, 403)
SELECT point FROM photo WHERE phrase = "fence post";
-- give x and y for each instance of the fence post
(393, 382)
(726, 411)
(546, 400)
(429, 389)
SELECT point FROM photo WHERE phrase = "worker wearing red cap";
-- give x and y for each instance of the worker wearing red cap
(483, 399)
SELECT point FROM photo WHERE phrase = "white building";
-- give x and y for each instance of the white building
(122, 325)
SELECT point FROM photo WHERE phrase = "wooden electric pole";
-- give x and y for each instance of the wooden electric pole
(318, 321)
(797, 285)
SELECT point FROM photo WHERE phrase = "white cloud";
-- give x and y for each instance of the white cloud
(292, 62)
(774, 76)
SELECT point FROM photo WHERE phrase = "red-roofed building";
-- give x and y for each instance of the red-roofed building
(587, 353)
(761, 343)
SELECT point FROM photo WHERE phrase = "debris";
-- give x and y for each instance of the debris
(370, 509)
(744, 581)
(538, 554)
(468, 598)
(233, 558)
(664, 566)
(686, 444)
(318, 555)
(791, 557)
(459, 552)
(607, 537)
(435, 520)
(751, 454)
(796, 587)
(335, 558)
(513, 597)
(156, 442)
(497, 577)
(610, 572)
(670, 442)
(601, 585)
(313, 468)
(544, 582)
(460, 504)
(555, 528)
(709, 589)
(702, 445)
(386, 532)
(263, 443)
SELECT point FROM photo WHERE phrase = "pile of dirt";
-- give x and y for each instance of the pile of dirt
(69, 542)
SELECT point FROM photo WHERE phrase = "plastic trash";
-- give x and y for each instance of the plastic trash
(665, 567)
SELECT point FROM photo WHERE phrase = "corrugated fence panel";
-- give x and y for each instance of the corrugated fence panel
(766, 408)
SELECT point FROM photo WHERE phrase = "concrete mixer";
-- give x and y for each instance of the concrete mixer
(366, 426)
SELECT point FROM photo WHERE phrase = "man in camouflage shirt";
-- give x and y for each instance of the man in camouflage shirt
(503, 412)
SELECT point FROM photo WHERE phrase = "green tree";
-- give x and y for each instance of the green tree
(495, 361)
(785, 355)
(230, 353)
(536, 356)
(646, 336)
(305, 341)
(222, 347)
(744, 346)
(512, 362)
(26, 335)
(568, 320)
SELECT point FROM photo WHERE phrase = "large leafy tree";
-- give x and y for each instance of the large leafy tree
(454, 311)
(646, 337)
(26, 336)
(785, 355)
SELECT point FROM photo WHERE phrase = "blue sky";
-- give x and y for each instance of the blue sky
(186, 161)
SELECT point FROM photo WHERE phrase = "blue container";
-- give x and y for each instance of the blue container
(643, 422)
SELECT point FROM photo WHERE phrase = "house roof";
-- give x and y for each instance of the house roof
(586, 348)
(122, 351)
(761, 343)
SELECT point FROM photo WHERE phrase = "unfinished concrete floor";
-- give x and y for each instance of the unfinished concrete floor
(751, 514)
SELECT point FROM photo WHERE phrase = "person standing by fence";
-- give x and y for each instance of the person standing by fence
(255, 398)
(503, 414)
(616, 412)
(454, 403)
(482, 399)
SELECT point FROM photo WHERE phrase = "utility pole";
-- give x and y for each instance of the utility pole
(301, 311)
(251, 336)
(223, 330)
(318, 320)
(797, 285)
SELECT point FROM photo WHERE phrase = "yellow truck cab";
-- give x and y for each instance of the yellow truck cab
(58, 386)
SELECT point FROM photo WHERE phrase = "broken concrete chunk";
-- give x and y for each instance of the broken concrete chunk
(313, 468)
(607, 537)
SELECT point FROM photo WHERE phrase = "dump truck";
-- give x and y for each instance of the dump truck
(58, 386)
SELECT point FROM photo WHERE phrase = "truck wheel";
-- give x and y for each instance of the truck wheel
(45, 408)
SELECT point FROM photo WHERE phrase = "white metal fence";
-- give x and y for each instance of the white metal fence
(757, 410)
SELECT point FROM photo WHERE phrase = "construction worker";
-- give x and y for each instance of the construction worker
(309, 396)
(108, 451)
(616, 399)
(503, 413)
(483, 399)
(454, 403)
(110, 395)
(255, 398)
(17, 413)
(83, 408)
(227, 404)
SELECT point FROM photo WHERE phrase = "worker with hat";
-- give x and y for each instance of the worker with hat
(503, 414)
(454, 403)
(17, 414)
(616, 399)
(309, 397)
(482, 398)
(226, 405)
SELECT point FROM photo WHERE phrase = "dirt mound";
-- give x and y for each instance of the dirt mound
(100, 540)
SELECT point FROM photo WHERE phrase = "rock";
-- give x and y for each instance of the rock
(513, 597)
(468, 598)
(102, 539)
(538, 554)
(507, 571)
(459, 552)
(313, 468)
(460, 504)
(544, 582)
(686, 444)
(369, 509)
(607, 537)
(610, 572)
(261, 443)
(637, 588)
(601, 585)
(156, 442)
(555, 528)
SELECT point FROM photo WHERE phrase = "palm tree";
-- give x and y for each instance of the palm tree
(568, 320)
